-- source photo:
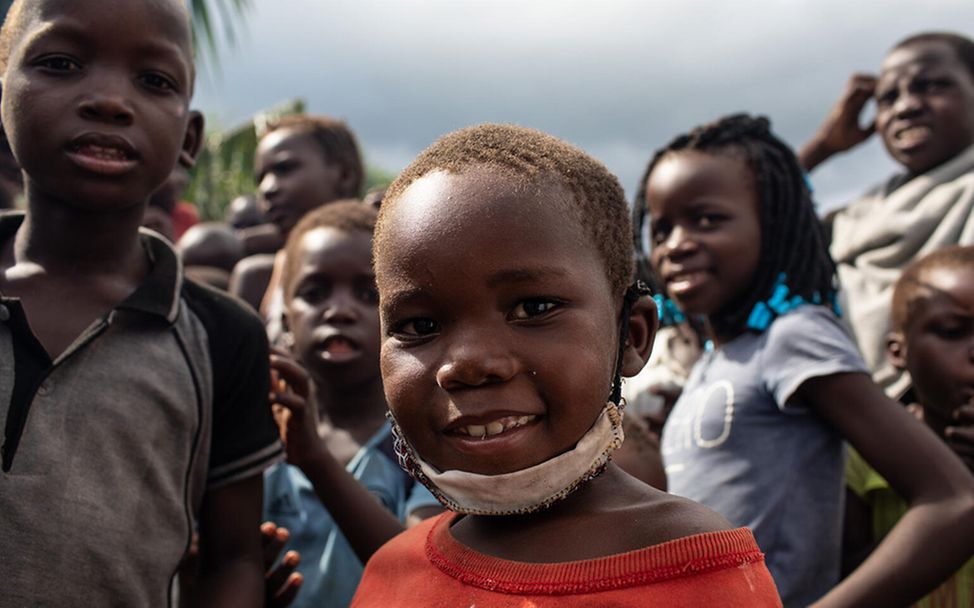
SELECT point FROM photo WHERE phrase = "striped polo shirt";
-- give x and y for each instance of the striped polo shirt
(109, 449)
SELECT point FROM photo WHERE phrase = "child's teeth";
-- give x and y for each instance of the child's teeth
(494, 428)
(476, 430)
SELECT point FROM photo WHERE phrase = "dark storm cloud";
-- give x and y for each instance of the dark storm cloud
(617, 78)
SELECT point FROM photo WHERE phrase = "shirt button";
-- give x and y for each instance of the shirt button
(4, 313)
(45, 388)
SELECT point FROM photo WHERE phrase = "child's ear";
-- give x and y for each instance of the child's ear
(193, 141)
(896, 350)
(643, 323)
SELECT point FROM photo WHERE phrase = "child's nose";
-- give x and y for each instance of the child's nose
(474, 363)
(907, 102)
(109, 105)
(340, 309)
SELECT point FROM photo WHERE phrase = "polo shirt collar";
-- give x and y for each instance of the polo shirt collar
(159, 292)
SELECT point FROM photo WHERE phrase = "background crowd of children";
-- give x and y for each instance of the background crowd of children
(441, 364)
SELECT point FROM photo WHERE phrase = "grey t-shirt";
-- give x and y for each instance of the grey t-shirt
(739, 442)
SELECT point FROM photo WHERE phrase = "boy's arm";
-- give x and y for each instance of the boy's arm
(840, 130)
(933, 538)
(231, 565)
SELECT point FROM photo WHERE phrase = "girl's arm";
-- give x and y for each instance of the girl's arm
(361, 517)
(936, 536)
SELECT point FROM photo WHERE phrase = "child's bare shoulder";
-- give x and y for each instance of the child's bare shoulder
(675, 517)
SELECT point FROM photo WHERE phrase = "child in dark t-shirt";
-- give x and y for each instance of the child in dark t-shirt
(133, 401)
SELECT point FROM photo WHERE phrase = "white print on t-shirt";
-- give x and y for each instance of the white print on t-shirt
(685, 429)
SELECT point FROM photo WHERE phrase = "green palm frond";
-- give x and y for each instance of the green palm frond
(215, 20)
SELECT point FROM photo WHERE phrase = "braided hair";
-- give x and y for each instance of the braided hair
(793, 241)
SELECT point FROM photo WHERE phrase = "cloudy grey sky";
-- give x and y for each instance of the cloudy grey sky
(616, 77)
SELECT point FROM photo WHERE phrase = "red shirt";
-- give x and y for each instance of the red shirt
(426, 567)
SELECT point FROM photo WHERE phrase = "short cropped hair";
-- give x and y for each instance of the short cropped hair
(597, 199)
(347, 215)
(962, 45)
(906, 293)
(336, 141)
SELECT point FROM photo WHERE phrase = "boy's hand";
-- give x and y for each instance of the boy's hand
(841, 130)
(295, 417)
(281, 583)
(960, 435)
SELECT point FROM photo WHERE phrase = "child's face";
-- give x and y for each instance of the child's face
(499, 325)
(332, 307)
(293, 176)
(937, 344)
(925, 105)
(95, 100)
(706, 229)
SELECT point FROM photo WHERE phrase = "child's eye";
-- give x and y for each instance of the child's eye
(160, 82)
(312, 293)
(59, 63)
(529, 309)
(415, 329)
(658, 233)
(951, 331)
(708, 221)
(369, 295)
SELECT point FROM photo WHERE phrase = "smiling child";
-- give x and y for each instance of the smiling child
(508, 314)
(134, 402)
(758, 431)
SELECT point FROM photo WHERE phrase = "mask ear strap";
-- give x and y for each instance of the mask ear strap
(632, 295)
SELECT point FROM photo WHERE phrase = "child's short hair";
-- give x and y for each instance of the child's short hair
(793, 239)
(336, 141)
(906, 292)
(962, 45)
(345, 215)
(598, 201)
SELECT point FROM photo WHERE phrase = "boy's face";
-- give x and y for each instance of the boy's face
(332, 307)
(499, 327)
(293, 176)
(925, 105)
(937, 344)
(95, 99)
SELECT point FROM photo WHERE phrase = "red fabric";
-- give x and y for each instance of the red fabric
(426, 567)
(184, 215)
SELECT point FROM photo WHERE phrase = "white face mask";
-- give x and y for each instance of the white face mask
(525, 491)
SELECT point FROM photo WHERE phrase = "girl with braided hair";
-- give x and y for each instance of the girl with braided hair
(757, 434)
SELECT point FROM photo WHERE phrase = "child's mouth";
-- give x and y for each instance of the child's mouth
(686, 281)
(912, 136)
(339, 349)
(495, 427)
(108, 157)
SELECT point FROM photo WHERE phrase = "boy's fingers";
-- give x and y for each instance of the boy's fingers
(296, 405)
(291, 373)
(964, 414)
(273, 540)
(288, 592)
(276, 578)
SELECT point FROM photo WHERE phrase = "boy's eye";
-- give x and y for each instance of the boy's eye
(154, 80)
(312, 293)
(369, 294)
(59, 63)
(709, 220)
(413, 329)
(951, 331)
(528, 309)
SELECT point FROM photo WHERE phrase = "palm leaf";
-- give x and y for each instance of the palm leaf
(207, 15)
